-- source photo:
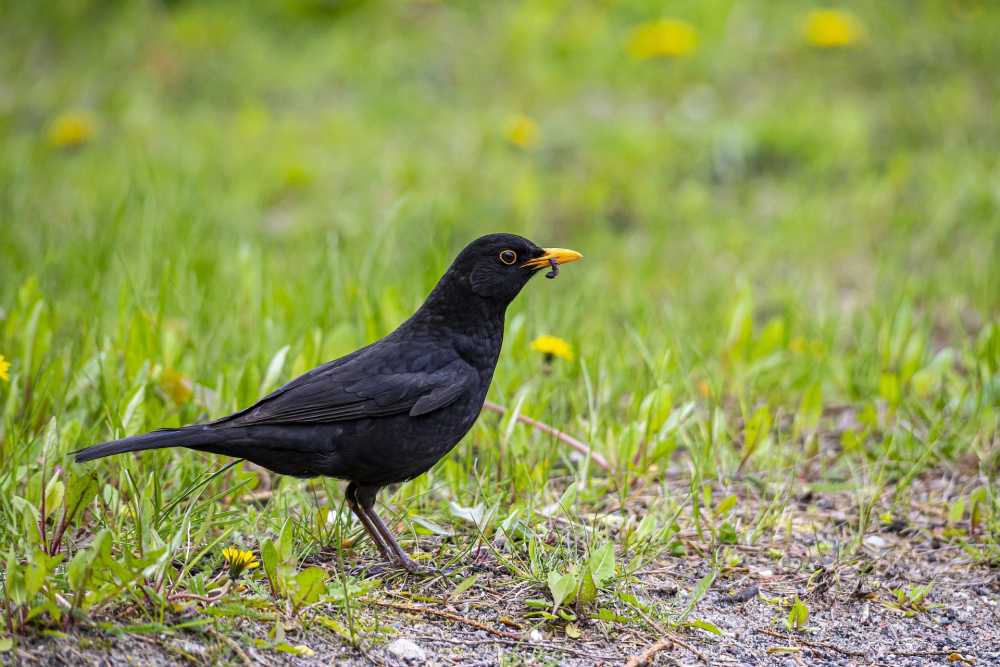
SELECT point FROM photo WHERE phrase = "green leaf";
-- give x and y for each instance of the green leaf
(299, 650)
(135, 412)
(6, 644)
(269, 559)
(46, 606)
(741, 322)
(565, 614)
(978, 500)
(601, 564)
(956, 511)
(811, 409)
(727, 533)
(27, 509)
(587, 592)
(80, 491)
(646, 527)
(286, 548)
(604, 614)
(474, 515)
(798, 615)
(544, 615)
(728, 503)
(14, 580)
(277, 632)
(148, 629)
(756, 429)
(562, 587)
(274, 370)
(336, 626)
(698, 593)
(51, 437)
(889, 388)
(309, 585)
(463, 586)
(55, 491)
(78, 569)
(918, 593)
(38, 571)
(568, 498)
(770, 339)
(427, 527)
(706, 626)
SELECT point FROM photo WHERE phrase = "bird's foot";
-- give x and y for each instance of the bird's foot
(413, 567)
(386, 567)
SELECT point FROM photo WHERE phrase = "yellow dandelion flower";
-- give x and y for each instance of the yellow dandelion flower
(4, 367)
(176, 385)
(522, 131)
(832, 28)
(666, 37)
(551, 347)
(239, 560)
(72, 129)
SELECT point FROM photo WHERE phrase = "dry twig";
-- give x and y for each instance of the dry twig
(811, 644)
(649, 652)
(669, 635)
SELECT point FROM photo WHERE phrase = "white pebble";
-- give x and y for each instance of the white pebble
(404, 649)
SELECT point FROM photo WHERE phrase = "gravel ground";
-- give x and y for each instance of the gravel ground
(854, 615)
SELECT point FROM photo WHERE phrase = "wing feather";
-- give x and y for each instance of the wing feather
(361, 388)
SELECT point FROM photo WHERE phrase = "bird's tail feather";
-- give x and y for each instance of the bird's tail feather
(190, 436)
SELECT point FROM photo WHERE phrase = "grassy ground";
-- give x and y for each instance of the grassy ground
(786, 328)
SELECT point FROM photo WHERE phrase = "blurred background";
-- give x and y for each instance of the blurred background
(773, 197)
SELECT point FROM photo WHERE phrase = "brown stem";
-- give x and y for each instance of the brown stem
(566, 438)
(41, 519)
(650, 652)
(68, 515)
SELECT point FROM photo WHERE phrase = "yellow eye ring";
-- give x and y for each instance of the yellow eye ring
(508, 257)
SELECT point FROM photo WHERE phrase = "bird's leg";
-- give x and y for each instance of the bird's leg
(373, 532)
(366, 500)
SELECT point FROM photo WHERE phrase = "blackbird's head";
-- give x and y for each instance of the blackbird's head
(495, 267)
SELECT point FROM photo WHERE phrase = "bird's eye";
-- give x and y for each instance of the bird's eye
(508, 257)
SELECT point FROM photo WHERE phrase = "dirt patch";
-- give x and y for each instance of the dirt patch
(907, 596)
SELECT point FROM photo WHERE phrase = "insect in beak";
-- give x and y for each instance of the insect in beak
(553, 257)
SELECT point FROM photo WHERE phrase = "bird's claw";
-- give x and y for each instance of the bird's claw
(410, 565)
(413, 567)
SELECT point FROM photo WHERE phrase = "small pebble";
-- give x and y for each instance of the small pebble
(405, 649)
(876, 542)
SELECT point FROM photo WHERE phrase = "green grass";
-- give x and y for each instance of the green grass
(775, 236)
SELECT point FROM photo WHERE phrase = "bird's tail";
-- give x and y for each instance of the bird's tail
(189, 436)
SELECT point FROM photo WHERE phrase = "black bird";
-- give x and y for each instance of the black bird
(388, 412)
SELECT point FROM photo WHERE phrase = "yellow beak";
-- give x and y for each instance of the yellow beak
(560, 255)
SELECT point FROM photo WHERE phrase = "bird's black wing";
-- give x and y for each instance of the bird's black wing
(379, 381)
